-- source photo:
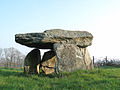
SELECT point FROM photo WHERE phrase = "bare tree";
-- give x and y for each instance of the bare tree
(1, 58)
(9, 55)
(19, 58)
(0, 53)
(13, 57)
(6, 57)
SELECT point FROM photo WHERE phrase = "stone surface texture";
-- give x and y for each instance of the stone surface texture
(32, 59)
(70, 58)
(48, 62)
(46, 39)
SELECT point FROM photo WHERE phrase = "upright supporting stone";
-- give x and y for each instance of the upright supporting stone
(32, 60)
(48, 62)
(70, 57)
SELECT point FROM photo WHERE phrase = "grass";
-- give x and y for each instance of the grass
(107, 78)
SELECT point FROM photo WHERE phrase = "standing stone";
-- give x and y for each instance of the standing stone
(32, 61)
(70, 57)
(48, 62)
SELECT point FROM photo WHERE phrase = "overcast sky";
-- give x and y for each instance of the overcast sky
(99, 17)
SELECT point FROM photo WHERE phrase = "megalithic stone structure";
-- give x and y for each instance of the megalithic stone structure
(70, 47)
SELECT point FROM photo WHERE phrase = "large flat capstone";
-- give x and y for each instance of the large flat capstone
(46, 39)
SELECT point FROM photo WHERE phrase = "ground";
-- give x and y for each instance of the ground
(107, 78)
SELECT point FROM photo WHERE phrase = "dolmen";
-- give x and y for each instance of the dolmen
(68, 51)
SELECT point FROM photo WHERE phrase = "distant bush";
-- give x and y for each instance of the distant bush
(102, 63)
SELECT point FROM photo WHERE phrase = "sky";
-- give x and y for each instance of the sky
(99, 17)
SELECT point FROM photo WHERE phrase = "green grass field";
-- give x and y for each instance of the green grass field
(107, 78)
